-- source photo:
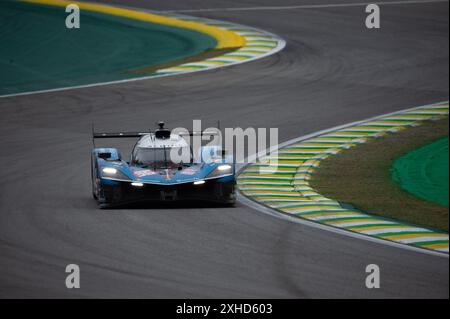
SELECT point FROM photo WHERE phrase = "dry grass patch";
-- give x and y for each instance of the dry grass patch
(361, 177)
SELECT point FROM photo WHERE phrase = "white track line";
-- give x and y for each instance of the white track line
(275, 213)
(309, 6)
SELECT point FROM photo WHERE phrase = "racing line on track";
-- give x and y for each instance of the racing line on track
(308, 6)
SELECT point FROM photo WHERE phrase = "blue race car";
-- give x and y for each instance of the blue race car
(151, 175)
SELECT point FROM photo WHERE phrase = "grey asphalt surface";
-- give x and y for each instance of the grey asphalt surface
(333, 71)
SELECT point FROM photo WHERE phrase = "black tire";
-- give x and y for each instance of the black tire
(93, 180)
(94, 195)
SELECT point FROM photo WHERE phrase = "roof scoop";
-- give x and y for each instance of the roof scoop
(162, 133)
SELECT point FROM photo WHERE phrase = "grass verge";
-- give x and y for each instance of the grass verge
(209, 54)
(361, 177)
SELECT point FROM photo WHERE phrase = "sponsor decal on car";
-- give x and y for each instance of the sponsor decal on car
(143, 173)
(189, 171)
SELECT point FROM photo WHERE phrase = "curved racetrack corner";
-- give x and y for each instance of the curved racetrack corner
(333, 71)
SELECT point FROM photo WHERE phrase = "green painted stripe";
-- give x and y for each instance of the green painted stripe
(403, 233)
(271, 172)
(263, 184)
(427, 243)
(355, 228)
(338, 143)
(221, 61)
(268, 180)
(367, 130)
(189, 66)
(363, 217)
(250, 52)
(276, 195)
(237, 55)
(270, 44)
(399, 120)
(259, 45)
(431, 114)
(306, 214)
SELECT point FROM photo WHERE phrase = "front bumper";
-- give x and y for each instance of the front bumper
(117, 193)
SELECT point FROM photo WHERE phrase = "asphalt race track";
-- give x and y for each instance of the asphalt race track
(333, 71)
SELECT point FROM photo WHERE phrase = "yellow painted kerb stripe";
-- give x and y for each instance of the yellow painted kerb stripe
(225, 39)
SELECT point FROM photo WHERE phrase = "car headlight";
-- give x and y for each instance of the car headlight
(113, 173)
(221, 170)
(224, 168)
(109, 171)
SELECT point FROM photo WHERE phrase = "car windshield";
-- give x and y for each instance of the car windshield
(158, 157)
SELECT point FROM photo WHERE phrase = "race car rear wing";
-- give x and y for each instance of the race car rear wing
(139, 134)
(117, 135)
(162, 132)
(206, 133)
